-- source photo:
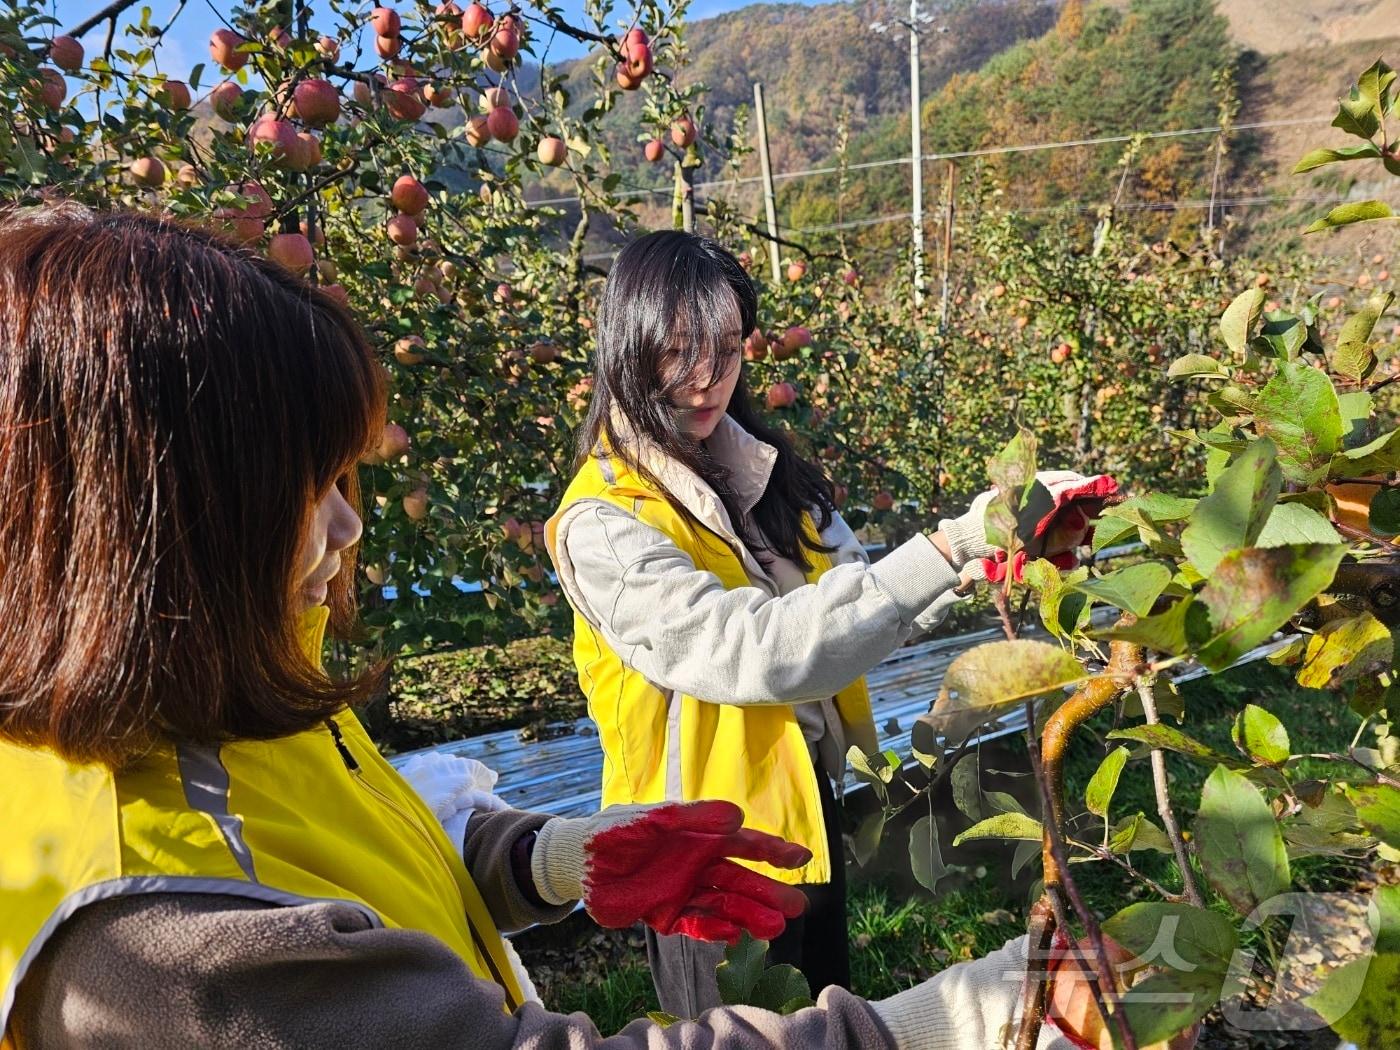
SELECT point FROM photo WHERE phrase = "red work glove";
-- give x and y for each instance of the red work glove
(1058, 518)
(668, 866)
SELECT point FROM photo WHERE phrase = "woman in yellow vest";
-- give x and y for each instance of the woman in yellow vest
(724, 612)
(199, 845)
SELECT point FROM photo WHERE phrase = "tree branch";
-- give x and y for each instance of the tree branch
(1164, 806)
(111, 11)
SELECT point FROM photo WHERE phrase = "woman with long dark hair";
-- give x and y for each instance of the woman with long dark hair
(725, 613)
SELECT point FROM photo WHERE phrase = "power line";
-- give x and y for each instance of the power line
(990, 151)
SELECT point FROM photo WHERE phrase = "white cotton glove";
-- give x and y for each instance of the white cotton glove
(970, 1006)
(454, 788)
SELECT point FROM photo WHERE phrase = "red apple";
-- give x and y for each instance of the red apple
(1061, 353)
(394, 443)
(797, 269)
(654, 150)
(639, 61)
(387, 46)
(386, 21)
(148, 172)
(850, 278)
(503, 124)
(476, 22)
(306, 153)
(497, 95)
(415, 504)
(626, 80)
(225, 99)
(882, 501)
(50, 89)
(291, 251)
(329, 46)
(781, 395)
(478, 134)
(438, 95)
(276, 133)
(683, 132)
(174, 94)
(223, 49)
(755, 346)
(505, 42)
(544, 353)
(280, 38)
(317, 102)
(408, 350)
(511, 530)
(401, 97)
(503, 293)
(795, 338)
(66, 53)
(408, 195)
(1071, 1008)
(188, 175)
(403, 230)
(551, 151)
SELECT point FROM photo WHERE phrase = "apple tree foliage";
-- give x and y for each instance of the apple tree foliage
(1292, 544)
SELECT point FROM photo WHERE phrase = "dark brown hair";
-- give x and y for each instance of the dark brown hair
(172, 407)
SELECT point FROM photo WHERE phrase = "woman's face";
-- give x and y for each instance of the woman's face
(700, 403)
(334, 527)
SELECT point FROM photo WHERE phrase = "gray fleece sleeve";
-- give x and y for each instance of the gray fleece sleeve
(183, 970)
(679, 626)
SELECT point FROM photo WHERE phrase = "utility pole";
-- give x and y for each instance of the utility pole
(916, 24)
(916, 158)
(770, 206)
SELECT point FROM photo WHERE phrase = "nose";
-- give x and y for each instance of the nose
(344, 528)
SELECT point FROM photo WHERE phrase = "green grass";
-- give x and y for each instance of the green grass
(899, 939)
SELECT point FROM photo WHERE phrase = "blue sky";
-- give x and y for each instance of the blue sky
(188, 41)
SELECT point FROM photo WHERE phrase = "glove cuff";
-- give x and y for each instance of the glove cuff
(556, 865)
(967, 534)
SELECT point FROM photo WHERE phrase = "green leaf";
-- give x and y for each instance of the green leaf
(1192, 365)
(1356, 409)
(989, 677)
(1138, 833)
(1167, 632)
(1342, 650)
(1296, 523)
(1241, 317)
(1239, 843)
(662, 1019)
(1378, 810)
(866, 841)
(1357, 116)
(1012, 471)
(1318, 157)
(1234, 514)
(1165, 1003)
(1361, 1000)
(739, 974)
(1111, 531)
(1298, 410)
(1164, 738)
(1346, 214)
(1283, 334)
(1197, 938)
(1261, 736)
(1063, 611)
(779, 987)
(1253, 592)
(925, 858)
(1003, 826)
(1133, 589)
(1379, 456)
(1385, 512)
(1099, 792)
(1354, 357)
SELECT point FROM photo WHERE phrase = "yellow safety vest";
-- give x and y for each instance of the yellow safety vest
(658, 747)
(319, 815)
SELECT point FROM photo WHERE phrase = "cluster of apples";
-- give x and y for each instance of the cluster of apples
(683, 133)
(783, 345)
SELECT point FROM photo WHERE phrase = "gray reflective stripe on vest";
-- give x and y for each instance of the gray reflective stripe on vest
(136, 884)
(205, 781)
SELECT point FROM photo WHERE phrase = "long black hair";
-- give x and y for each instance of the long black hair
(665, 306)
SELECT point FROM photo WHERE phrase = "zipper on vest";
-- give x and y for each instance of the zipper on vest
(340, 746)
(357, 775)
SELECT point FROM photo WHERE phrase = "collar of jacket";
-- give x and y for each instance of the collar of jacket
(749, 460)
